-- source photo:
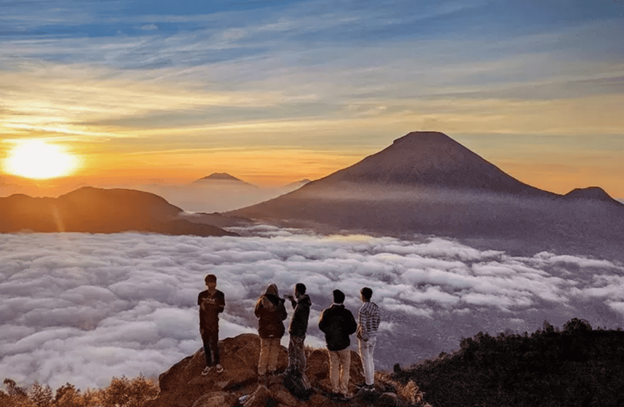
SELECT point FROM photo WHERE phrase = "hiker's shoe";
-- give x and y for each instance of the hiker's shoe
(337, 397)
(219, 368)
(206, 371)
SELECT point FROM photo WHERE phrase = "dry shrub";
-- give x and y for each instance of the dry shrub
(408, 392)
(123, 392)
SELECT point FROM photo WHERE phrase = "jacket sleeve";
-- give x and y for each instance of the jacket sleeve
(352, 325)
(322, 322)
(282, 310)
(361, 332)
(258, 307)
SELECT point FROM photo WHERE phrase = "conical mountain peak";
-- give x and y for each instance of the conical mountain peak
(220, 176)
(419, 137)
(434, 159)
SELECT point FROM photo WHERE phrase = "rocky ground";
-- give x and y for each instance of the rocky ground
(239, 385)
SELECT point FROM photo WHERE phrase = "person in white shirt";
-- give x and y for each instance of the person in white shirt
(368, 323)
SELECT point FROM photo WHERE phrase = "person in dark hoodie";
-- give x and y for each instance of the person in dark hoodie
(297, 330)
(270, 312)
(337, 323)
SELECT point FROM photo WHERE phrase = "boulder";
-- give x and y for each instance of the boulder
(259, 398)
(218, 399)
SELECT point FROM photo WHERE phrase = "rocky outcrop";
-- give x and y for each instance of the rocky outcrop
(239, 385)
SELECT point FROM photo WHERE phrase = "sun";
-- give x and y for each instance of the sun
(39, 160)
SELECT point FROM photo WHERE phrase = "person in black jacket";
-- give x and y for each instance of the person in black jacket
(338, 323)
(211, 303)
(270, 312)
(297, 330)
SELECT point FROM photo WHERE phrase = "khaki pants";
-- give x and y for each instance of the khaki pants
(339, 364)
(368, 363)
(269, 349)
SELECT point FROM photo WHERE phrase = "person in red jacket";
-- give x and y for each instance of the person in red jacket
(338, 323)
(211, 303)
(270, 312)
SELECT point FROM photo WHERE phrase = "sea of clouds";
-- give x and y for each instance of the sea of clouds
(83, 308)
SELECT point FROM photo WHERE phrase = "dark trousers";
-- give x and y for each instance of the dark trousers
(211, 346)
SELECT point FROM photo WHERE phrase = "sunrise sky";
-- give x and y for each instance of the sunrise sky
(143, 91)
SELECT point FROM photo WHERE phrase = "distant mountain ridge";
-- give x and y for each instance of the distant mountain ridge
(96, 210)
(591, 193)
(427, 183)
(223, 177)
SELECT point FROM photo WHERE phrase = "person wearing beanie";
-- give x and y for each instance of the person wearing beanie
(337, 323)
(368, 323)
(270, 312)
(211, 303)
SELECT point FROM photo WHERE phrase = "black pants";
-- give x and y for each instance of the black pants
(211, 346)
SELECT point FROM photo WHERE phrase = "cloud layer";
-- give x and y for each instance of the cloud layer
(84, 308)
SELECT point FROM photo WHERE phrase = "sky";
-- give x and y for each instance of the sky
(83, 308)
(164, 92)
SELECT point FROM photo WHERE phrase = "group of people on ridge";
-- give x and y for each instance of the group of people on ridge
(336, 322)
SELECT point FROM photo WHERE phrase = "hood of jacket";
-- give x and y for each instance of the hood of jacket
(272, 290)
(304, 300)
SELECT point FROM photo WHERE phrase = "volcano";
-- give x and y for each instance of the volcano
(427, 183)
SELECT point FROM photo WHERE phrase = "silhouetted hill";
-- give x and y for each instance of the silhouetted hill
(96, 210)
(427, 183)
(575, 367)
(592, 193)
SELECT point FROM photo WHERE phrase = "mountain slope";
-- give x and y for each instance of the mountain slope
(95, 210)
(427, 183)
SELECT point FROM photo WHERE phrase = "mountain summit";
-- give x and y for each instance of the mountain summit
(222, 177)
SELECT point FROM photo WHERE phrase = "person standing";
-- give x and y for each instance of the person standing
(270, 312)
(368, 323)
(211, 303)
(297, 330)
(337, 323)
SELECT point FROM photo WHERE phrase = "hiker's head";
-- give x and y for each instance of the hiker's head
(211, 281)
(339, 297)
(366, 294)
(272, 290)
(300, 289)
